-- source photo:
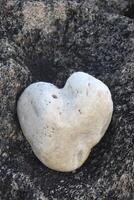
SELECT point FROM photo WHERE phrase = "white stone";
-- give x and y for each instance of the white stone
(62, 125)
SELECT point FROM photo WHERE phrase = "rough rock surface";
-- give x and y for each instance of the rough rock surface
(48, 40)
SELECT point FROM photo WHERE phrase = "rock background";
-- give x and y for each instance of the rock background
(48, 40)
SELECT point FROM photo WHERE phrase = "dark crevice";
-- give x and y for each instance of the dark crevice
(130, 12)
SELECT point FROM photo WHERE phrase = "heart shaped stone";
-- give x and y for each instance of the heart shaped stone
(62, 125)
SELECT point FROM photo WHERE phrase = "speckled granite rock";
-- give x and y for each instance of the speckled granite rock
(52, 40)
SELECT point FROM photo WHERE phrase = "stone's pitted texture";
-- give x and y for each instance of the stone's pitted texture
(93, 36)
(62, 125)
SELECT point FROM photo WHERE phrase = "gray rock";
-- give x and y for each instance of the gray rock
(48, 40)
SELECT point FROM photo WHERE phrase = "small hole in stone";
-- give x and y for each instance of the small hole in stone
(79, 111)
(54, 96)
